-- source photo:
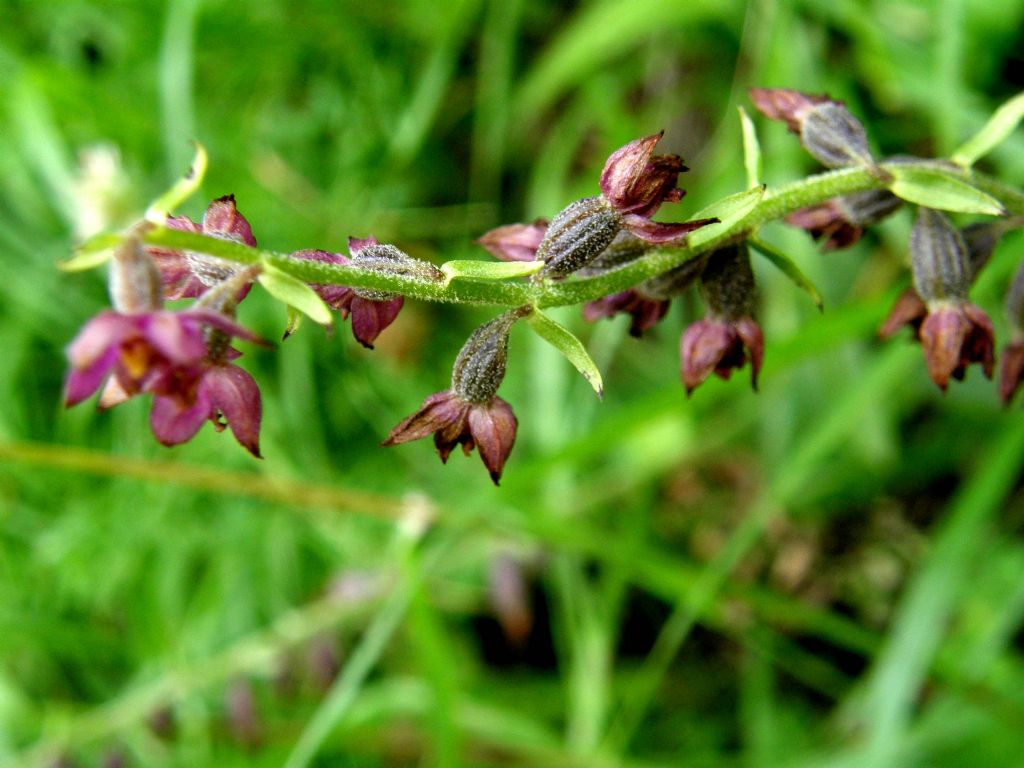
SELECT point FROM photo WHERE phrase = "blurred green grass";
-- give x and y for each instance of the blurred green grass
(825, 573)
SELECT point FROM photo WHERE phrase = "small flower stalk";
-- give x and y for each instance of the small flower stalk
(729, 336)
(954, 333)
(470, 413)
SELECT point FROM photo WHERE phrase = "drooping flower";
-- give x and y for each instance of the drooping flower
(187, 275)
(954, 335)
(470, 414)
(953, 332)
(729, 335)
(372, 311)
(224, 394)
(218, 390)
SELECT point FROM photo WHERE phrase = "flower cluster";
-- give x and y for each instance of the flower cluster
(184, 358)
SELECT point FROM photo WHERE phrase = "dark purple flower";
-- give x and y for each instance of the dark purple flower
(635, 182)
(187, 275)
(224, 394)
(953, 336)
(714, 345)
(515, 242)
(489, 426)
(471, 413)
(158, 351)
(729, 335)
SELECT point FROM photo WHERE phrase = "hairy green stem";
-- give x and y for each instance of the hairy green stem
(512, 293)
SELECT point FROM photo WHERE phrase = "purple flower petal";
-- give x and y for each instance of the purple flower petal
(82, 382)
(173, 424)
(223, 220)
(370, 317)
(222, 322)
(515, 242)
(234, 393)
(175, 335)
(493, 426)
(356, 244)
(657, 232)
(103, 332)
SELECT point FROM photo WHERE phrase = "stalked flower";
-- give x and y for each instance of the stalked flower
(515, 242)
(634, 184)
(980, 240)
(955, 333)
(223, 394)
(470, 413)
(139, 347)
(220, 391)
(372, 311)
(827, 130)
(1011, 372)
(840, 222)
(186, 275)
(729, 335)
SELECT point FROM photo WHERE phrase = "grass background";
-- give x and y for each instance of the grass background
(827, 573)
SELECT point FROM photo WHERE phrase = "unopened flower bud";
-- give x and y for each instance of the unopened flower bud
(135, 285)
(480, 367)
(938, 259)
(578, 235)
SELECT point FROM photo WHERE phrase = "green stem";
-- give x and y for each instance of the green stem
(508, 293)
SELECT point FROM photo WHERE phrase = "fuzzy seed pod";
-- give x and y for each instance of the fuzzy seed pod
(389, 260)
(578, 235)
(835, 137)
(727, 283)
(480, 367)
(938, 258)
